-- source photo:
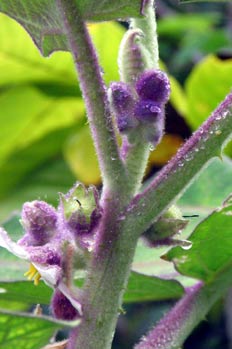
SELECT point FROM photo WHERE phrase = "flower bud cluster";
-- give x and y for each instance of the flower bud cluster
(141, 107)
(55, 240)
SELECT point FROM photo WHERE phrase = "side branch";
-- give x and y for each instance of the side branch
(173, 329)
(205, 144)
(94, 92)
(179, 322)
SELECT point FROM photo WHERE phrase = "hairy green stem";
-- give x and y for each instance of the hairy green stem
(175, 326)
(205, 144)
(94, 93)
(106, 281)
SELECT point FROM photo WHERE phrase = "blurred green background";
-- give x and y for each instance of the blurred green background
(45, 142)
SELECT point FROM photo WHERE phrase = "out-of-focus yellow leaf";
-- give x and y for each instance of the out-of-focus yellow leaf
(26, 115)
(20, 60)
(107, 37)
(165, 150)
(80, 154)
(177, 96)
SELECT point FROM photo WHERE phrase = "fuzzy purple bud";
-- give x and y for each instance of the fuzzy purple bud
(39, 221)
(121, 96)
(62, 308)
(122, 103)
(153, 85)
(147, 111)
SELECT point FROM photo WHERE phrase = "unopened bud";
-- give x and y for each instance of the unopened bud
(133, 56)
(162, 231)
(122, 103)
(148, 111)
(153, 85)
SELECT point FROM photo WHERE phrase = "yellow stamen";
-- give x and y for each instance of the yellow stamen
(33, 273)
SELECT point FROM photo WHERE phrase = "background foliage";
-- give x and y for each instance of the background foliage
(46, 147)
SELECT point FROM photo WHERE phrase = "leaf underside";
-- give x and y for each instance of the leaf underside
(42, 20)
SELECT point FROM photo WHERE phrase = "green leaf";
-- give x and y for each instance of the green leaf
(209, 189)
(24, 332)
(210, 256)
(147, 261)
(27, 331)
(23, 293)
(178, 25)
(206, 86)
(43, 22)
(142, 288)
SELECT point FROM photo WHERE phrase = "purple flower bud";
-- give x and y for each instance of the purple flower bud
(39, 221)
(122, 103)
(62, 308)
(153, 85)
(121, 97)
(148, 111)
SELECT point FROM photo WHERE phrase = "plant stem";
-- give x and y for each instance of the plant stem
(94, 93)
(138, 153)
(205, 144)
(173, 329)
(106, 280)
(176, 325)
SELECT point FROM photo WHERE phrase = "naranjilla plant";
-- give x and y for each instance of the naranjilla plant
(83, 250)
